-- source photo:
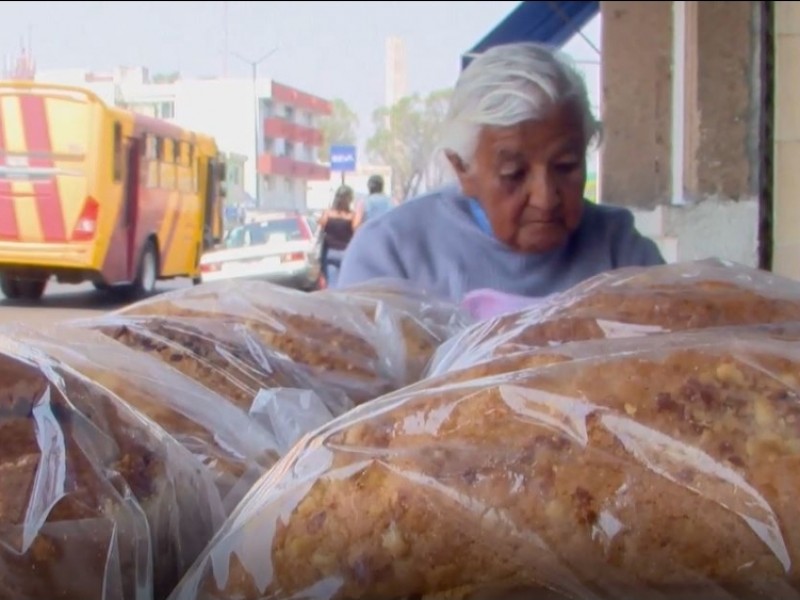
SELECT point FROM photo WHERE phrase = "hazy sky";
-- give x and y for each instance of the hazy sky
(333, 49)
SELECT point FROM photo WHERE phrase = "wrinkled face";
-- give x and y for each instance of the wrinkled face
(530, 179)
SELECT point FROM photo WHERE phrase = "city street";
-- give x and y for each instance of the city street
(66, 301)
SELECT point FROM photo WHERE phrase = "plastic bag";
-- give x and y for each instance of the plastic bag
(631, 302)
(535, 357)
(487, 303)
(226, 440)
(667, 472)
(327, 338)
(214, 353)
(96, 501)
(423, 320)
(290, 414)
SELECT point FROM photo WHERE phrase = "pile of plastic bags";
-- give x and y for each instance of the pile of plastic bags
(636, 436)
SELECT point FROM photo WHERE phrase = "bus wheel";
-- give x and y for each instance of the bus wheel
(32, 289)
(10, 287)
(147, 276)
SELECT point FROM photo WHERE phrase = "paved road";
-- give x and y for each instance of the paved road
(65, 301)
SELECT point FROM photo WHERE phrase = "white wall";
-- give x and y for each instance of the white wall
(105, 90)
(224, 109)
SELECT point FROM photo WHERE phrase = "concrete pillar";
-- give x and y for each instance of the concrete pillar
(682, 112)
(636, 87)
(722, 106)
(786, 182)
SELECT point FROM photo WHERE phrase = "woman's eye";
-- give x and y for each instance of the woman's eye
(513, 175)
(567, 167)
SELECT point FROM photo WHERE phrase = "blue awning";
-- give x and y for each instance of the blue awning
(544, 21)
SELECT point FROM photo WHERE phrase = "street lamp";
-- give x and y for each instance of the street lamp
(256, 125)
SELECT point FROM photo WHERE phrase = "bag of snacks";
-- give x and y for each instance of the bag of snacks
(631, 302)
(666, 471)
(96, 501)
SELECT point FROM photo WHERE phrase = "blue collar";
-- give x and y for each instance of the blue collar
(480, 216)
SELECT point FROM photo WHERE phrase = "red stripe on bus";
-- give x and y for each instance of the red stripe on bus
(8, 217)
(2, 141)
(37, 140)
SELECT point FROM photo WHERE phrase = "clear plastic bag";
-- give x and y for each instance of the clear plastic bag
(397, 308)
(328, 338)
(217, 354)
(486, 303)
(225, 439)
(669, 471)
(96, 501)
(631, 302)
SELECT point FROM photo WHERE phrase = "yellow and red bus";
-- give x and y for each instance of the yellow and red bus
(92, 192)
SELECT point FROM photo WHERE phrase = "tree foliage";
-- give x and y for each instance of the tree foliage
(340, 127)
(405, 139)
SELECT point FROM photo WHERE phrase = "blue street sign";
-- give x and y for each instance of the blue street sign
(343, 158)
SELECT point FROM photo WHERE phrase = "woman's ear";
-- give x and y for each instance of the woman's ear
(465, 175)
(456, 162)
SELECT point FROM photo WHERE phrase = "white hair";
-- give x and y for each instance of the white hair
(508, 84)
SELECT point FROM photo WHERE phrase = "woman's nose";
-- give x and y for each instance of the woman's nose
(543, 190)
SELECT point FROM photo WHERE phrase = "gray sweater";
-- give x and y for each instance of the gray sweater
(434, 242)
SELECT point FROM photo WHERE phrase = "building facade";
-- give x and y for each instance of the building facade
(271, 129)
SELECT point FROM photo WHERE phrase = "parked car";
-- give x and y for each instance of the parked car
(282, 248)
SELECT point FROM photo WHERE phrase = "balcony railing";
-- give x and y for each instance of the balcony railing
(270, 164)
(277, 128)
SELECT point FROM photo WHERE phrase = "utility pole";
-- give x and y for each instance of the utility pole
(256, 121)
(225, 50)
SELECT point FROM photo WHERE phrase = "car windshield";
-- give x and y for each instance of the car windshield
(264, 232)
(312, 223)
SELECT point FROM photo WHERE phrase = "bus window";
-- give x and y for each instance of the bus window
(184, 172)
(117, 161)
(193, 160)
(151, 154)
(151, 148)
(183, 154)
(167, 164)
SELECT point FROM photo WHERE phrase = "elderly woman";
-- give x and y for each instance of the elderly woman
(516, 135)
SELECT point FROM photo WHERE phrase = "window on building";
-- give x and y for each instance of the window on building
(167, 110)
(267, 108)
(237, 175)
(289, 113)
(289, 149)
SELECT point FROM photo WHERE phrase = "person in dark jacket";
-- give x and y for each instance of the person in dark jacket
(338, 225)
